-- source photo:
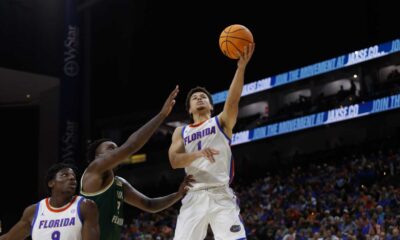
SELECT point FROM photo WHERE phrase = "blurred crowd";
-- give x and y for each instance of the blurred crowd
(347, 193)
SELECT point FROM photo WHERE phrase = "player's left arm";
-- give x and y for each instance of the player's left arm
(90, 215)
(135, 198)
(230, 111)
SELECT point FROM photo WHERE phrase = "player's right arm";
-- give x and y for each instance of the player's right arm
(229, 114)
(135, 141)
(178, 156)
(22, 229)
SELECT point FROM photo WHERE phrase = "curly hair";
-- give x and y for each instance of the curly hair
(91, 150)
(54, 169)
(189, 95)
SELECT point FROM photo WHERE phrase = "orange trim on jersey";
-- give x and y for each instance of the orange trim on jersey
(198, 124)
(59, 209)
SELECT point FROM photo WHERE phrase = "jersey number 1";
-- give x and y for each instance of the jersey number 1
(199, 145)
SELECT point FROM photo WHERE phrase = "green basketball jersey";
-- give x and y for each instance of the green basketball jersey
(109, 202)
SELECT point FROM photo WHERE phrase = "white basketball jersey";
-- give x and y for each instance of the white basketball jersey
(62, 223)
(203, 135)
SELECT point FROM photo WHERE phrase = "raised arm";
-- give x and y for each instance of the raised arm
(90, 215)
(134, 198)
(179, 158)
(229, 114)
(22, 229)
(135, 141)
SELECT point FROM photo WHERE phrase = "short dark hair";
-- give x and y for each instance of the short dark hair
(54, 169)
(92, 147)
(189, 95)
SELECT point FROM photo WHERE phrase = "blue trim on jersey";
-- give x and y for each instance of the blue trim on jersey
(183, 129)
(241, 239)
(238, 204)
(79, 209)
(220, 128)
(35, 216)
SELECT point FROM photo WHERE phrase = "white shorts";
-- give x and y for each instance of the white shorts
(217, 207)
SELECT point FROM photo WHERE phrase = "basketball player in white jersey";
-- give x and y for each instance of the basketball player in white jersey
(203, 150)
(62, 216)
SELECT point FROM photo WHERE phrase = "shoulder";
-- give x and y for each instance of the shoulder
(126, 186)
(178, 131)
(121, 180)
(219, 119)
(92, 166)
(29, 211)
(31, 208)
(88, 209)
(87, 205)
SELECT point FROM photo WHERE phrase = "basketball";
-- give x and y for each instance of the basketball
(233, 39)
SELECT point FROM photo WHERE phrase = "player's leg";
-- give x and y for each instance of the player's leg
(225, 221)
(192, 220)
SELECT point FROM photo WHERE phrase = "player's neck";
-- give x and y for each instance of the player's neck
(200, 118)
(58, 201)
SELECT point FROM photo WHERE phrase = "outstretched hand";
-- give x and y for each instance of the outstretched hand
(170, 102)
(209, 153)
(246, 55)
(186, 184)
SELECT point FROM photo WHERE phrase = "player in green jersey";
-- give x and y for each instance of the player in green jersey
(99, 183)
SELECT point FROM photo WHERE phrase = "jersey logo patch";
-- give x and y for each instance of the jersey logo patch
(235, 228)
